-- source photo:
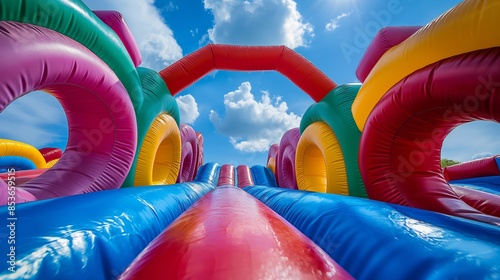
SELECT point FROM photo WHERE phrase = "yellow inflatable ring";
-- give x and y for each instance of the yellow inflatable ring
(319, 162)
(160, 155)
(15, 148)
(469, 26)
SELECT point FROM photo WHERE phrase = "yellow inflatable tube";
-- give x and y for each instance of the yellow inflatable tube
(160, 155)
(319, 162)
(469, 26)
(51, 163)
(15, 148)
(271, 164)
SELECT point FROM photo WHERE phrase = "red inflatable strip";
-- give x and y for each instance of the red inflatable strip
(226, 175)
(50, 154)
(116, 22)
(228, 234)
(22, 176)
(292, 65)
(472, 169)
(487, 202)
(400, 149)
(189, 154)
(285, 163)
(244, 175)
(385, 39)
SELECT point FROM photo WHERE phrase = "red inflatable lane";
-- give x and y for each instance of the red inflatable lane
(488, 202)
(292, 65)
(244, 175)
(400, 148)
(228, 234)
(23, 176)
(226, 175)
(472, 169)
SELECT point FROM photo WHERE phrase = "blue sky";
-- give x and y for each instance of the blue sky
(240, 114)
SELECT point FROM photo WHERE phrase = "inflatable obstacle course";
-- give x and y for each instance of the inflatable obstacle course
(338, 197)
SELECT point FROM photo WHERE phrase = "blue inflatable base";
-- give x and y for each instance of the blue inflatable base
(376, 240)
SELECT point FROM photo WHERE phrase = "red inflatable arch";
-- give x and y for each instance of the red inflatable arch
(400, 147)
(292, 65)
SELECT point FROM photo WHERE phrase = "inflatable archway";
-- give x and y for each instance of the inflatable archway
(102, 136)
(420, 96)
(158, 154)
(328, 129)
(405, 168)
(289, 63)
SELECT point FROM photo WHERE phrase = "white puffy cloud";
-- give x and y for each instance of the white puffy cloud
(155, 39)
(253, 125)
(188, 108)
(37, 119)
(258, 22)
(481, 155)
(334, 23)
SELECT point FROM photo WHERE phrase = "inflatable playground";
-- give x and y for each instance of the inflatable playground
(356, 192)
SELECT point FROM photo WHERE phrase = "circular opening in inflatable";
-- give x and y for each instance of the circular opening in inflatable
(319, 161)
(39, 113)
(100, 116)
(163, 160)
(43, 116)
(457, 147)
(401, 145)
(315, 169)
(187, 163)
(288, 176)
(159, 156)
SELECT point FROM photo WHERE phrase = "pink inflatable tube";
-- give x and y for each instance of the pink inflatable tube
(272, 154)
(385, 39)
(200, 156)
(189, 153)
(116, 22)
(244, 175)
(226, 175)
(102, 135)
(285, 163)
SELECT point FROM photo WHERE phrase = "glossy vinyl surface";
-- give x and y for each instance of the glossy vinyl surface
(228, 234)
(375, 240)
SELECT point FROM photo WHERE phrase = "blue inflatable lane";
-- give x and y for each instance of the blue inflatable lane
(263, 176)
(92, 236)
(490, 184)
(208, 173)
(375, 240)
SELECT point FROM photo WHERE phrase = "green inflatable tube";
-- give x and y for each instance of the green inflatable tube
(157, 100)
(335, 110)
